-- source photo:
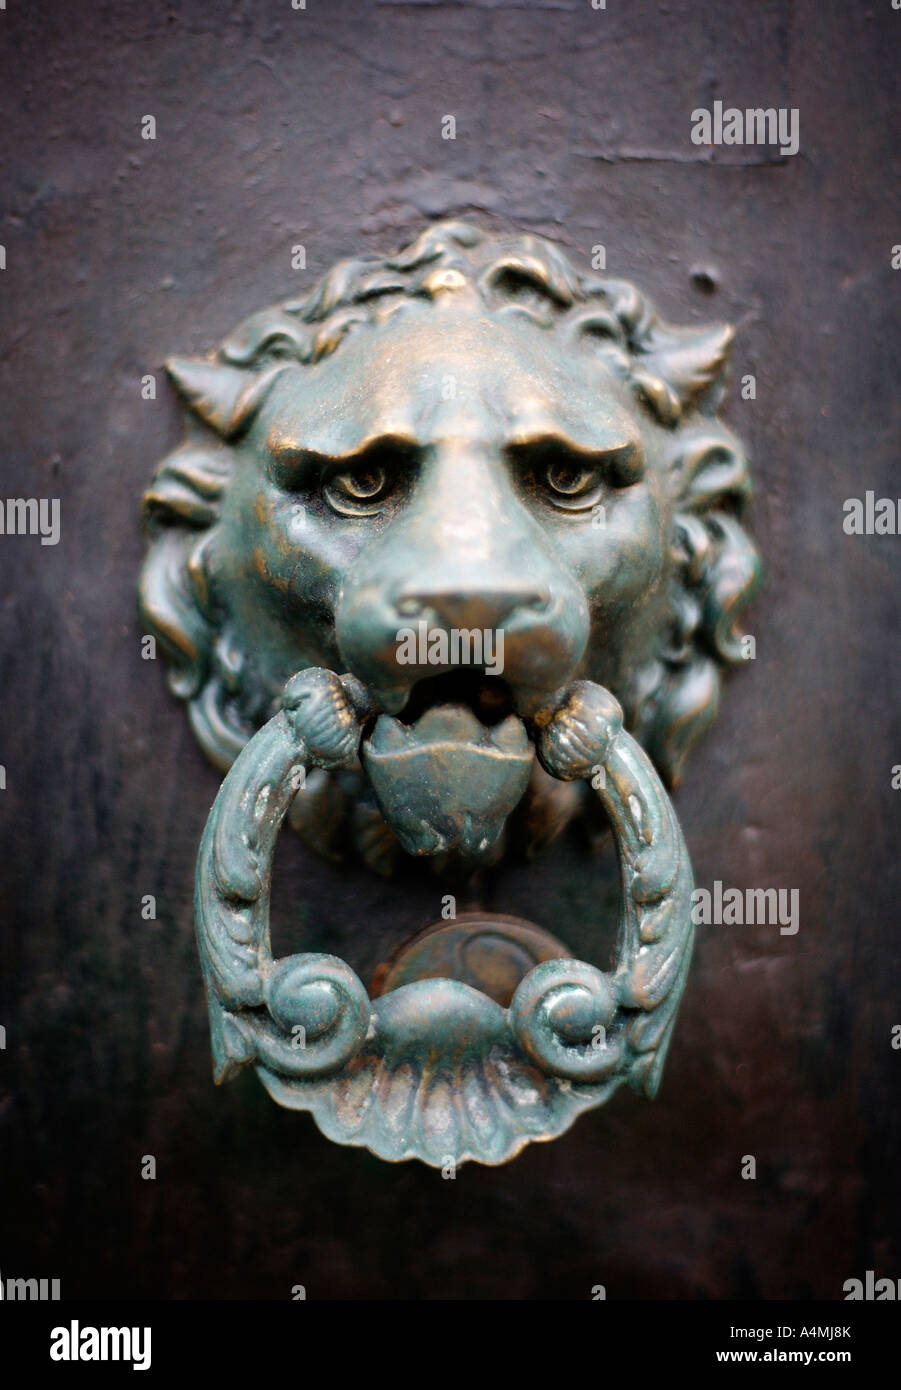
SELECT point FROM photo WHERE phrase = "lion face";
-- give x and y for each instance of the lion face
(466, 476)
(434, 473)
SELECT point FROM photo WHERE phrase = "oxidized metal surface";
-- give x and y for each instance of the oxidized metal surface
(492, 491)
(436, 1070)
(491, 952)
(471, 437)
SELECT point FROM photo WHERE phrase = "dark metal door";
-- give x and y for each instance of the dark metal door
(324, 128)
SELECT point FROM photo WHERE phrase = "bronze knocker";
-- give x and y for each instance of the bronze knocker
(457, 526)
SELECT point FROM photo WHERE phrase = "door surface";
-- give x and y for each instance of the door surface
(323, 127)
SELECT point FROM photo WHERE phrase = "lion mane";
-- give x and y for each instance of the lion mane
(676, 373)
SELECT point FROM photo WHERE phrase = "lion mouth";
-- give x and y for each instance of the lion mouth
(448, 770)
(489, 697)
(458, 708)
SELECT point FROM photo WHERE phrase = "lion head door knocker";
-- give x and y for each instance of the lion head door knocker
(456, 528)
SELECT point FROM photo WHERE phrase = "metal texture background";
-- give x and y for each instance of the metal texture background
(323, 126)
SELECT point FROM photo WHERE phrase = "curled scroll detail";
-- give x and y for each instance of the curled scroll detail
(436, 1070)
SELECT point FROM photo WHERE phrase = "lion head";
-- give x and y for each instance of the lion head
(470, 437)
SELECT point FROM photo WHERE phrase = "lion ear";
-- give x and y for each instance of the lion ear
(225, 397)
(692, 361)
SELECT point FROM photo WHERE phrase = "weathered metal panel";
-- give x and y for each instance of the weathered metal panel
(323, 127)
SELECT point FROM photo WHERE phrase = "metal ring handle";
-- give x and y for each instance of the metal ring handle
(436, 1070)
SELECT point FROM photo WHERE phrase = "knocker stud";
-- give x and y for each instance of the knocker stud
(452, 559)
(435, 1069)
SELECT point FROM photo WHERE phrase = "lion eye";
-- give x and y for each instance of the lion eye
(568, 479)
(360, 491)
(570, 484)
(364, 484)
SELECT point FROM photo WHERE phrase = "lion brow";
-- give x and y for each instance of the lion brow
(623, 460)
(306, 458)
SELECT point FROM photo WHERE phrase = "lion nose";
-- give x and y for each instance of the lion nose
(467, 608)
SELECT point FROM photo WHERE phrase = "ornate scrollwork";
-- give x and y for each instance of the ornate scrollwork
(493, 489)
(305, 1014)
(436, 1070)
(230, 649)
